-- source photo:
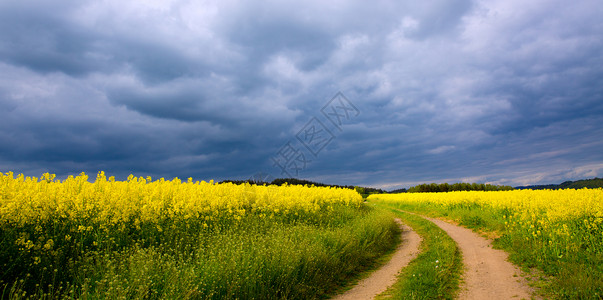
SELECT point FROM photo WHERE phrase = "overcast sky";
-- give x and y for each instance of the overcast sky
(376, 93)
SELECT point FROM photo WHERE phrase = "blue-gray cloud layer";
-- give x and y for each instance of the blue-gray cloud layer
(492, 91)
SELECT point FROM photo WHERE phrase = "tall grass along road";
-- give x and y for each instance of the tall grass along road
(385, 276)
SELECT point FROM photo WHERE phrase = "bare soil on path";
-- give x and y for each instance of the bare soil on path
(488, 274)
(386, 276)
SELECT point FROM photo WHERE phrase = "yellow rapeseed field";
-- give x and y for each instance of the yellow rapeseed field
(107, 202)
(157, 239)
(537, 209)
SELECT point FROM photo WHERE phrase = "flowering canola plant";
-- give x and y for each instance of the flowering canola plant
(553, 204)
(536, 212)
(63, 225)
(106, 202)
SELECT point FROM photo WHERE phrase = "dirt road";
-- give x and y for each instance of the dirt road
(488, 274)
(385, 276)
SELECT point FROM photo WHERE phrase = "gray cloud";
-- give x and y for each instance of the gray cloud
(498, 91)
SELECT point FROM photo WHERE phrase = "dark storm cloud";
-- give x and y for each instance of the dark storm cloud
(499, 91)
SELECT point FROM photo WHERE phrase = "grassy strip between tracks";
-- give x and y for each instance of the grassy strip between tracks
(435, 273)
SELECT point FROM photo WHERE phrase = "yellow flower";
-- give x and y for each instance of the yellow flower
(49, 244)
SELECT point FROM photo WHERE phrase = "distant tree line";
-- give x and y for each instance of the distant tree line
(462, 186)
(578, 184)
(364, 191)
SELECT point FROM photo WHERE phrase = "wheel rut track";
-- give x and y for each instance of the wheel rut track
(488, 274)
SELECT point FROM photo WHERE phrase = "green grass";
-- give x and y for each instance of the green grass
(435, 273)
(368, 269)
(261, 259)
